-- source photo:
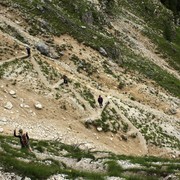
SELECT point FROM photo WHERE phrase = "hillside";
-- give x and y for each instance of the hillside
(126, 51)
(54, 160)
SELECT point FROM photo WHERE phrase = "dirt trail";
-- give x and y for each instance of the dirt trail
(12, 59)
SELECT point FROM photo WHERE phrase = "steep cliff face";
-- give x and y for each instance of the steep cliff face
(121, 50)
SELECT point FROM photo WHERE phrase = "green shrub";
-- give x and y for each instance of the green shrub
(168, 31)
(114, 169)
(88, 96)
(121, 85)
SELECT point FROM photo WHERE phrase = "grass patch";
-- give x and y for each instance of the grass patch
(49, 72)
(110, 121)
(114, 169)
(83, 65)
(16, 66)
(27, 164)
(32, 169)
(154, 72)
(170, 50)
(88, 96)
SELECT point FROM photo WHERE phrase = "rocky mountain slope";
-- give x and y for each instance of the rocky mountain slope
(54, 160)
(116, 49)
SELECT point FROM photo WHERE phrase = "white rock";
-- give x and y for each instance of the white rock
(22, 100)
(83, 27)
(26, 178)
(11, 92)
(8, 105)
(38, 105)
(3, 119)
(102, 51)
(5, 90)
(64, 152)
(89, 121)
(1, 130)
(126, 164)
(99, 129)
(114, 178)
(58, 177)
(24, 105)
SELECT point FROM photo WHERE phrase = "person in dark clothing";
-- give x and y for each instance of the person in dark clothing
(28, 51)
(65, 79)
(100, 101)
(24, 139)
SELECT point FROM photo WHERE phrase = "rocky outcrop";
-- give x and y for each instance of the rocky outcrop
(43, 48)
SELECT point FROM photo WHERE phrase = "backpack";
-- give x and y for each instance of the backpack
(24, 140)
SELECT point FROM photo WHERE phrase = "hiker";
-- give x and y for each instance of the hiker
(24, 139)
(100, 101)
(65, 78)
(28, 51)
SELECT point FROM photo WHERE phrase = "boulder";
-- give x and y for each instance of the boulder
(171, 177)
(11, 92)
(43, 48)
(133, 135)
(38, 105)
(53, 54)
(8, 105)
(3, 119)
(46, 50)
(88, 122)
(103, 51)
(124, 137)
